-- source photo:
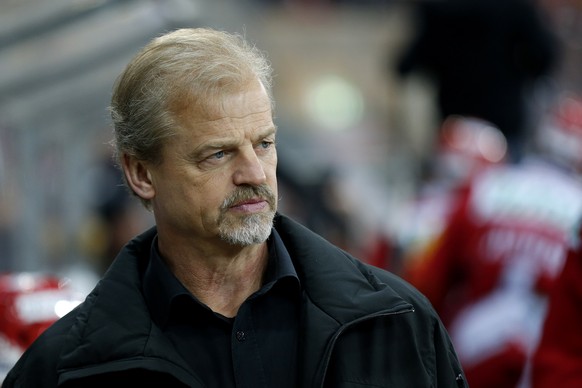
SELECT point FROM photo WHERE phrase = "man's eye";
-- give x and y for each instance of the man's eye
(266, 144)
(217, 155)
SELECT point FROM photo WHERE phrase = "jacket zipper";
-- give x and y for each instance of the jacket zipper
(351, 324)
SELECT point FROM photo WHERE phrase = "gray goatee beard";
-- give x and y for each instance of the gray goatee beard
(245, 230)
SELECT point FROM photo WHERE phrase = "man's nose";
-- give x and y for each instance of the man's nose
(249, 169)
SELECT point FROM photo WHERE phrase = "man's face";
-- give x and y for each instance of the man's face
(217, 180)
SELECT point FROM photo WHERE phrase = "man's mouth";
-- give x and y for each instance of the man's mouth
(247, 200)
(250, 205)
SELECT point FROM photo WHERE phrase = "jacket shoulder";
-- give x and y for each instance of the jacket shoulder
(321, 264)
(404, 289)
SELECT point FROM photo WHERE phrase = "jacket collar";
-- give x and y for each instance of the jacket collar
(321, 266)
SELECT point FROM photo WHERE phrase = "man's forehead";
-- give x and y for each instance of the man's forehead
(230, 111)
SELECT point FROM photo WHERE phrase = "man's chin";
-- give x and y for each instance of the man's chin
(247, 229)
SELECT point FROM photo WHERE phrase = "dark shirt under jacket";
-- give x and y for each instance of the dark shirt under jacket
(257, 348)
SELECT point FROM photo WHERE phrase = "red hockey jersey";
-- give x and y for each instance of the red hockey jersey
(493, 266)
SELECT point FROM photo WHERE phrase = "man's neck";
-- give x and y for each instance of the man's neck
(222, 282)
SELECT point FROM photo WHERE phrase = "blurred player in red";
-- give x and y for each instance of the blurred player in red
(490, 271)
(558, 360)
(466, 146)
(29, 304)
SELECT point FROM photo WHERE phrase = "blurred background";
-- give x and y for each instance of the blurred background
(357, 127)
(343, 144)
(354, 135)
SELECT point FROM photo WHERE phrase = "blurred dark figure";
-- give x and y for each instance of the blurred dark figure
(319, 205)
(483, 56)
(114, 219)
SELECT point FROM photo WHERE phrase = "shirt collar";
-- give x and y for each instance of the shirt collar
(280, 264)
(161, 287)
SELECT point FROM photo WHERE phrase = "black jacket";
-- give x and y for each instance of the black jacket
(361, 326)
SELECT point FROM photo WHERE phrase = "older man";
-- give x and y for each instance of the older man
(224, 291)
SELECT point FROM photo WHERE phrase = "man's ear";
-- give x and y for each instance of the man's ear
(138, 177)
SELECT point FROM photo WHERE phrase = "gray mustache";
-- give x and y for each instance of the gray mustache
(245, 193)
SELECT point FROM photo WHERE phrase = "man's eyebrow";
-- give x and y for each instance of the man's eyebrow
(270, 131)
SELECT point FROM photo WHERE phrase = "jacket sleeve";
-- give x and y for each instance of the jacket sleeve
(431, 338)
(448, 368)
